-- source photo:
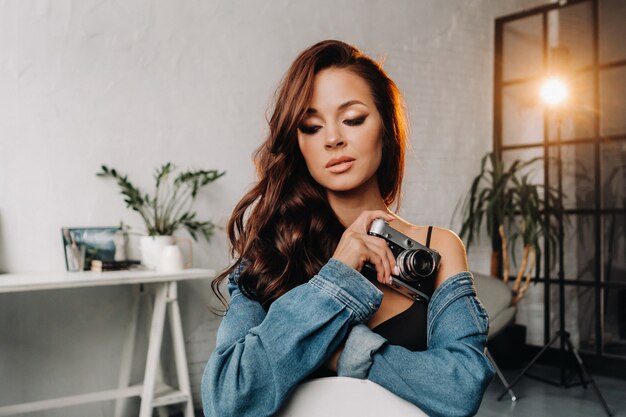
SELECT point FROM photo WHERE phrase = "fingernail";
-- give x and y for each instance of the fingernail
(396, 270)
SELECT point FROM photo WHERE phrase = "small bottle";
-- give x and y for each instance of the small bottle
(120, 245)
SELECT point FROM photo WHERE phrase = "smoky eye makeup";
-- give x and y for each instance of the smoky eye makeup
(311, 129)
(355, 121)
(308, 130)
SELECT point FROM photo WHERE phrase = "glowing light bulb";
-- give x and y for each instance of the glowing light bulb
(553, 91)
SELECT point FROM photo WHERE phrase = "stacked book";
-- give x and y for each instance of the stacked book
(101, 266)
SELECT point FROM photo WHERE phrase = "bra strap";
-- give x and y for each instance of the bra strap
(430, 230)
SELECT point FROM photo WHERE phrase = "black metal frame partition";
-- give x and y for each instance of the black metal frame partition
(596, 139)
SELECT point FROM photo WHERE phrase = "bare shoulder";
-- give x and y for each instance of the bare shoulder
(452, 251)
(446, 242)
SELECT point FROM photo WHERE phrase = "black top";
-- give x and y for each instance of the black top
(407, 329)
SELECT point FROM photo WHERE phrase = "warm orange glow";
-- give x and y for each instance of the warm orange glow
(553, 91)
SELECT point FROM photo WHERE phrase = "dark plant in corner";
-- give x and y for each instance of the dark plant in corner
(169, 209)
(506, 201)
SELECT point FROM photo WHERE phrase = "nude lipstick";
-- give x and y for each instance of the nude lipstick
(339, 165)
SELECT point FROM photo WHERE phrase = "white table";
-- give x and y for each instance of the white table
(152, 395)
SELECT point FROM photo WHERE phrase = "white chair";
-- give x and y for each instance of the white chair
(346, 397)
(495, 296)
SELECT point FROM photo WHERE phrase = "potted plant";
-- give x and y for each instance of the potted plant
(501, 198)
(169, 208)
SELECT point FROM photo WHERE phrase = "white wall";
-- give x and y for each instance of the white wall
(134, 84)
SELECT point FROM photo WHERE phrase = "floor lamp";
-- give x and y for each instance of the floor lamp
(553, 93)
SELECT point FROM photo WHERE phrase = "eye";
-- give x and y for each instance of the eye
(355, 122)
(308, 130)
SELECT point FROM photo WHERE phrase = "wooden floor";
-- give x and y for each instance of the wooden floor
(536, 399)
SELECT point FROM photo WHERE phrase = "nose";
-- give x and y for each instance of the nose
(334, 140)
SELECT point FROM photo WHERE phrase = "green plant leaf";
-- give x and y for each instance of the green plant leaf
(505, 195)
(166, 212)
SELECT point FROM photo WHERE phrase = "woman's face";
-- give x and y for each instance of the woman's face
(340, 136)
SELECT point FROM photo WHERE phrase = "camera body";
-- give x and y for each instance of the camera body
(418, 264)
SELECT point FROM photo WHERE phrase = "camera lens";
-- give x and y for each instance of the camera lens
(415, 263)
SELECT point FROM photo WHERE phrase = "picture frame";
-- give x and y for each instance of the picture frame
(81, 245)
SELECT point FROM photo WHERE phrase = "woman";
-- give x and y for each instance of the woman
(332, 163)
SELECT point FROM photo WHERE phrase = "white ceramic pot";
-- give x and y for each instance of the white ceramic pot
(151, 248)
(171, 259)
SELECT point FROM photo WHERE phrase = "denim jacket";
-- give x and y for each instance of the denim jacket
(261, 357)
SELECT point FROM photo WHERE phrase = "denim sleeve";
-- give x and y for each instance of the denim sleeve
(259, 358)
(447, 379)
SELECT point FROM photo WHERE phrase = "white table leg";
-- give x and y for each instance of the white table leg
(161, 411)
(127, 353)
(178, 340)
(154, 350)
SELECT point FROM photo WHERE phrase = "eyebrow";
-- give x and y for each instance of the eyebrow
(311, 110)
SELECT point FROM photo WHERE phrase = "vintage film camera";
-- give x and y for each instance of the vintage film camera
(418, 264)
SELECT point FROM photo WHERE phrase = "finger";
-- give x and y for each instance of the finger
(377, 214)
(384, 266)
(391, 262)
(366, 218)
(383, 249)
(380, 268)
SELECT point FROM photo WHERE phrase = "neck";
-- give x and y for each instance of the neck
(348, 205)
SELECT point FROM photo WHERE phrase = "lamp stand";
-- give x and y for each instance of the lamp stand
(561, 334)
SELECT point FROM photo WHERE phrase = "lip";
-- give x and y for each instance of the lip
(340, 160)
(341, 167)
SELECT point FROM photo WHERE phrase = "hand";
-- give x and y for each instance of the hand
(356, 247)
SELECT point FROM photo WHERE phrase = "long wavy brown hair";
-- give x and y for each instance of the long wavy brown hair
(284, 227)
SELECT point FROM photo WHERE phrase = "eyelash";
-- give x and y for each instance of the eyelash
(309, 130)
